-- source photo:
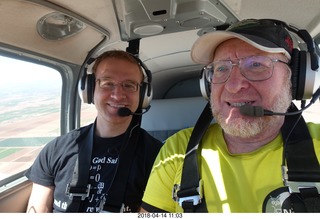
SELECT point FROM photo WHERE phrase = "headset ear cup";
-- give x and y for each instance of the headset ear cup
(145, 95)
(146, 92)
(82, 89)
(90, 87)
(302, 75)
(86, 88)
(205, 86)
(295, 70)
(298, 78)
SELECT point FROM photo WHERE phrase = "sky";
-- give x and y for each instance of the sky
(16, 72)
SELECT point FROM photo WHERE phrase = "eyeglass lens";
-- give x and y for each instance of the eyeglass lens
(254, 68)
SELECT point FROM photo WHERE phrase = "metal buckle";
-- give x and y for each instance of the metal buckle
(82, 195)
(195, 199)
(295, 186)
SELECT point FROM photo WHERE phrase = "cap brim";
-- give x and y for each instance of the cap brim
(204, 47)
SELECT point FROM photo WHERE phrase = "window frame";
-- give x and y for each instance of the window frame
(69, 100)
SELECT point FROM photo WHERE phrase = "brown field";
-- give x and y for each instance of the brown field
(23, 156)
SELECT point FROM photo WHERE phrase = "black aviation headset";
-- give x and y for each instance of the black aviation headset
(87, 84)
(304, 66)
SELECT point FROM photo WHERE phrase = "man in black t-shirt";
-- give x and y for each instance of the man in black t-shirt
(117, 144)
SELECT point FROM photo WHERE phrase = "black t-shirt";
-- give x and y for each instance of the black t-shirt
(55, 164)
(104, 164)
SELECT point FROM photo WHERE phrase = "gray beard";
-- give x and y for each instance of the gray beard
(247, 129)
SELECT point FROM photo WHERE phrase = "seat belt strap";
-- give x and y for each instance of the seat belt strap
(302, 173)
(301, 159)
(311, 199)
(189, 194)
(79, 188)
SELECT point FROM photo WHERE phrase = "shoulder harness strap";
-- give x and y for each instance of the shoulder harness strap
(79, 188)
(189, 193)
(301, 170)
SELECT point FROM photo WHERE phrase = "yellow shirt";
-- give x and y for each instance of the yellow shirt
(232, 182)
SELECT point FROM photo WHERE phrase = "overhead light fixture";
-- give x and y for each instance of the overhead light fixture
(148, 30)
(58, 26)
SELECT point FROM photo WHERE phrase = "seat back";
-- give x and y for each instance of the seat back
(167, 116)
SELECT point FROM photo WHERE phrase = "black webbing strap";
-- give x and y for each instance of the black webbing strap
(302, 162)
(303, 169)
(115, 197)
(311, 199)
(190, 192)
(79, 188)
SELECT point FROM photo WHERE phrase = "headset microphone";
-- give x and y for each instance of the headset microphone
(124, 111)
(258, 111)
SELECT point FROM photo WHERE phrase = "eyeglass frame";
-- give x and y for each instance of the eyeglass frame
(121, 83)
(232, 63)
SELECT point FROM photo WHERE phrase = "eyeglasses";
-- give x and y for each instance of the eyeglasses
(253, 68)
(110, 85)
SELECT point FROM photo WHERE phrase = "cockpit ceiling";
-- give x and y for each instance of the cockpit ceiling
(123, 20)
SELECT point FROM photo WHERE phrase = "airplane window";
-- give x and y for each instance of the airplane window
(30, 101)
